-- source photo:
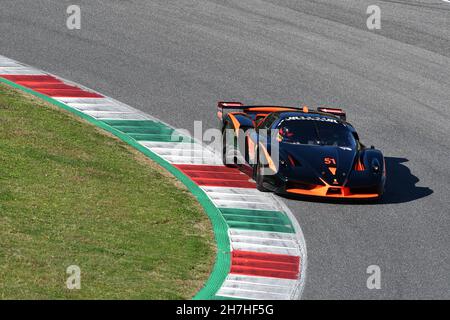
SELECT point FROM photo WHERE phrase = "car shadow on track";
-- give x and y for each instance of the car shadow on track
(401, 183)
(400, 187)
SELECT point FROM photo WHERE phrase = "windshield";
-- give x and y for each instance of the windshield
(315, 131)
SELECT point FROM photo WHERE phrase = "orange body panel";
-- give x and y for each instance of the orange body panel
(323, 191)
(270, 109)
(332, 170)
(329, 191)
(236, 123)
(272, 165)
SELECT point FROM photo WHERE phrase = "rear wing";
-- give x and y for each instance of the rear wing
(224, 107)
(335, 112)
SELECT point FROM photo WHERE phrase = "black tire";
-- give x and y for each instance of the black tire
(235, 147)
(224, 150)
(259, 178)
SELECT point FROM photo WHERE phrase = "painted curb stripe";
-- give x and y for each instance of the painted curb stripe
(277, 236)
(242, 285)
(250, 202)
(257, 229)
(258, 217)
(34, 78)
(227, 179)
(253, 287)
(50, 86)
(264, 264)
(14, 70)
(147, 130)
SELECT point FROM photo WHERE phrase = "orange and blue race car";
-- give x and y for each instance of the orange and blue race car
(318, 153)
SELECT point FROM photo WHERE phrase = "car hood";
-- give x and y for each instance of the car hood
(329, 163)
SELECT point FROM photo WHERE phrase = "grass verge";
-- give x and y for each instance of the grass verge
(73, 195)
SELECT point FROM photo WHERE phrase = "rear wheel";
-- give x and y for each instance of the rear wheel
(234, 150)
(259, 176)
(226, 148)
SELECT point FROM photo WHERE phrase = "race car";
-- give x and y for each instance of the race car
(292, 150)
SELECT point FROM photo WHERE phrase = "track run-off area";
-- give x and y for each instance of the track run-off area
(175, 59)
(261, 252)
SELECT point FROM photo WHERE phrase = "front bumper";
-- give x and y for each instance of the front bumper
(333, 192)
(281, 185)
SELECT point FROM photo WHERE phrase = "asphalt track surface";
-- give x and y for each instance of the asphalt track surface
(175, 59)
